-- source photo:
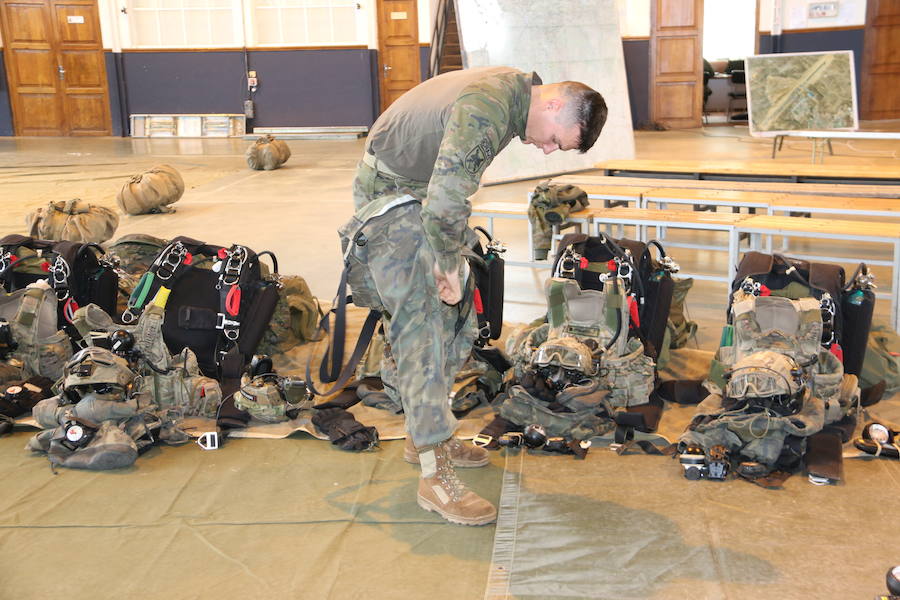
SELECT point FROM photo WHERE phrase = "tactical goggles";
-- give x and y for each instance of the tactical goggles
(564, 357)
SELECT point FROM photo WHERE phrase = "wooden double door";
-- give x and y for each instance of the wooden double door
(55, 67)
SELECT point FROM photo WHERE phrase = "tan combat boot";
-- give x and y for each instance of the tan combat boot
(441, 491)
(461, 453)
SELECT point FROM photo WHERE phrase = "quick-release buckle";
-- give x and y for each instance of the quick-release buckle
(230, 327)
(5, 260)
(169, 262)
(484, 332)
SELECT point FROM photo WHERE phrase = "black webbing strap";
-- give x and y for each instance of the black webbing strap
(330, 369)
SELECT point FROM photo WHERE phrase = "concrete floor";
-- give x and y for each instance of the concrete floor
(367, 536)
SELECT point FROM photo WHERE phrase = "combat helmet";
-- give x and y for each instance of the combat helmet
(97, 370)
(767, 379)
(563, 361)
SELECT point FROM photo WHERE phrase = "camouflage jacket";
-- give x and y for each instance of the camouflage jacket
(446, 131)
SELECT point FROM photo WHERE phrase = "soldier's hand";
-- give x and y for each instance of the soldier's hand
(449, 285)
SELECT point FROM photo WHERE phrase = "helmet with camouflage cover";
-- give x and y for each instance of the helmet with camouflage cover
(767, 378)
(566, 352)
(98, 368)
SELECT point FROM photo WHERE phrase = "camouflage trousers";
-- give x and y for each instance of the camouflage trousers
(427, 340)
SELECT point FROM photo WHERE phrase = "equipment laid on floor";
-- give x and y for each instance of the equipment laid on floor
(151, 191)
(267, 153)
(219, 312)
(777, 398)
(102, 419)
(77, 272)
(73, 220)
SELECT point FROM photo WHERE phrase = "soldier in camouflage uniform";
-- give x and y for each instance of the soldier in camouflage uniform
(424, 157)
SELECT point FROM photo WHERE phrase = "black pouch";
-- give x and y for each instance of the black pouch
(488, 268)
(257, 317)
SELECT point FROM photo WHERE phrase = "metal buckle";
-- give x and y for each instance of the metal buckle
(231, 269)
(496, 247)
(567, 264)
(229, 327)
(669, 265)
(482, 440)
(209, 440)
(748, 286)
(485, 331)
(59, 278)
(128, 317)
(168, 262)
(5, 261)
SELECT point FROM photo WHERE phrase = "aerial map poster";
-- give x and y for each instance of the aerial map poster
(803, 91)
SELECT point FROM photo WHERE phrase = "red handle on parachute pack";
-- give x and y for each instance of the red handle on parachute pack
(479, 305)
(233, 300)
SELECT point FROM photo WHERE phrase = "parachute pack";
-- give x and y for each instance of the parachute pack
(778, 399)
(77, 272)
(219, 312)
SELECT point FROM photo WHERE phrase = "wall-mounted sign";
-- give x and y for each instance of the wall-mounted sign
(398, 16)
(74, 19)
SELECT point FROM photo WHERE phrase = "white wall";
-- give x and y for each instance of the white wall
(794, 14)
(634, 18)
(729, 29)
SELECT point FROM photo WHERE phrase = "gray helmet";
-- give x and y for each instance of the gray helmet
(95, 366)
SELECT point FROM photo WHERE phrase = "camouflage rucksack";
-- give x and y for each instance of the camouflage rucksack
(577, 372)
(295, 320)
(30, 316)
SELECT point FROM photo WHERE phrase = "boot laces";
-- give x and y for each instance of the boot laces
(447, 476)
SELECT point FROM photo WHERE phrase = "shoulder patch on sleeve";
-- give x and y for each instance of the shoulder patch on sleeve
(478, 156)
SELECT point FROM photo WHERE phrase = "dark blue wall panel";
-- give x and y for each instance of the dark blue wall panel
(184, 82)
(424, 60)
(115, 104)
(312, 88)
(818, 41)
(298, 88)
(6, 121)
(637, 72)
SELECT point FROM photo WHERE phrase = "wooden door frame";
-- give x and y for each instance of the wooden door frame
(379, 4)
(55, 48)
(866, 83)
(698, 96)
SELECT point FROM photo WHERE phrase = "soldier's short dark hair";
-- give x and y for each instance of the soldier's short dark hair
(588, 111)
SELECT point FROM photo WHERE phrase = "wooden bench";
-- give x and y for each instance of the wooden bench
(519, 211)
(834, 229)
(751, 170)
(586, 182)
(644, 218)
